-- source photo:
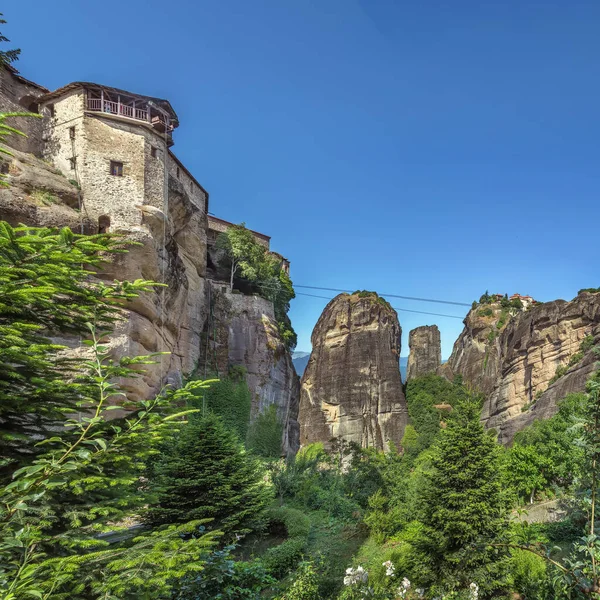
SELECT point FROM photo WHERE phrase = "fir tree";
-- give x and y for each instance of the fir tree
(205, 473)
(465, 505)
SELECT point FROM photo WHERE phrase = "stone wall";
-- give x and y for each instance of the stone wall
(195, 192)
(18, 96)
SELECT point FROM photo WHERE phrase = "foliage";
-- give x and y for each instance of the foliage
(7, 56)
(530, 576)
(527, 470)
(589, 291)
(205, 473)
(485, 312)
(224, 578)
(46, 287)
(375, 296)
(73, 562)
(561, 371)
(230, 399)
(260, 271)
(465, 506)
(5, 129)
(305, 585)
(265, 434)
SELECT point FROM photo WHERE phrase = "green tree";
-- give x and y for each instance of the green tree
(205, 473)
(465, 506)
(244, 253)
(47, 288)
(265, 434)
(527, 471)
(7, 56)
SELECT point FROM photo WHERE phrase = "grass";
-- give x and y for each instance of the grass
(44, 197)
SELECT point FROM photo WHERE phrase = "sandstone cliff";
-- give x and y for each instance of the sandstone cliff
(169, 321)
(425, 351)
(524, 364)
(351, 387)
(242, 330)
(174, 319)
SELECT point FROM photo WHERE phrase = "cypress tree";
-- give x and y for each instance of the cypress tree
(465, 506)
(206, 473)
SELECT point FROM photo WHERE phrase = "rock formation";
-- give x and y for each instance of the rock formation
(173, 319)
(529, 363)
(242, 330)
(425, 351)
(352, 387)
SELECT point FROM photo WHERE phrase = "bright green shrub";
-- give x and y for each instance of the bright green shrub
(305, 585)
(530, 576)
(265, 434)
(281, 560)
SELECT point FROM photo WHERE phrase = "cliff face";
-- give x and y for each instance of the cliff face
(242, 330)
(169, 321)
(516, 366)
(425, 351)
(351, 387)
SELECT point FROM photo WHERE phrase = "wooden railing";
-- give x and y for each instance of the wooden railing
(116, 108)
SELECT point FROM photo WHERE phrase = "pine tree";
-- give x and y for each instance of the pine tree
(7, 56)
(465, 505)
(47, 289)
(206, 473)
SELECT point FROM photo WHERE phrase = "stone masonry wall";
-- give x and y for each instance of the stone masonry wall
(12, 91)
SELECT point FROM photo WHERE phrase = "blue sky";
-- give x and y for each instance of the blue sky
(431, 149)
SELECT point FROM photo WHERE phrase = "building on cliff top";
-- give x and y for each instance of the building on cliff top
(114, 144)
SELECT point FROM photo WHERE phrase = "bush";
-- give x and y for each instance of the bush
(529, 575)
(282, 559)
(265, 434)
(485, 312)
(230, 399)
(305, 585)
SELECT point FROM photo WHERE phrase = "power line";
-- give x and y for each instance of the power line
(421, 312)
(312, 287)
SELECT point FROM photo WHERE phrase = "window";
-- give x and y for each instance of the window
(191, 186)
(177, 172)
(116, 168)
(103, 224)
(72, 132)
(51, 110)
(153, 151)
(4, 168)
(73, 162)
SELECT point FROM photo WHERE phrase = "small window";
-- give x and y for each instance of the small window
(103, 223)
(177, 172)
(191, 186)
(153, 151)
(116, 168)
(73, 163)
(4, 168)
(72, 132)
(51, 110)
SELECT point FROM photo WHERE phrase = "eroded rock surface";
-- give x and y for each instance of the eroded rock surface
(171, 320)
(351, 387)
(242, 330)
(514, 366)
(425, 351)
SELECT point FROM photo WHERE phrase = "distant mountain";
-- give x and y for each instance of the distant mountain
(300, 360)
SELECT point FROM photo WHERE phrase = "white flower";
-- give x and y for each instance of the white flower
(404, 587)
(354, 576)
(474, 591)
(389, 568)
(420, 592)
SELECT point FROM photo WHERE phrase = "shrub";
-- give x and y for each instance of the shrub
(485, 312)
(282, 559)
(587, 343)
(529, 575)
(305, 585)
(265, 434)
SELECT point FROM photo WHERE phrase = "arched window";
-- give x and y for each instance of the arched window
(103, 224)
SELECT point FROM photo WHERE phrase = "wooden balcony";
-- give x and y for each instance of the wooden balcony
(128, 109)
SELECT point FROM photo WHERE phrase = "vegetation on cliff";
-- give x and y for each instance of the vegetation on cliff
(259, 271)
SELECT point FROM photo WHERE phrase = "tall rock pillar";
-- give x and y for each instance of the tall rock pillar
(425, 351)
(351, 387)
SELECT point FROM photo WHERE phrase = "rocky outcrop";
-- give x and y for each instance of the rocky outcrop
(425, 351)
(529, 363)
(162, 321)
(351, 387)
(242, 331)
